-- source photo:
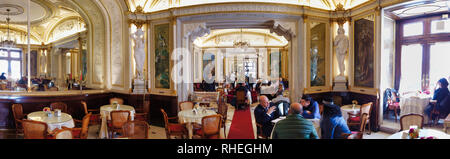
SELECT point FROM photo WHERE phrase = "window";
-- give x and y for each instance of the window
(413, 29)
(424, 59)
(439, 65)
(11, 63)
(440, 26)
(411, 68)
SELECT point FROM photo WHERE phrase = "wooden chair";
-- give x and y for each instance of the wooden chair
(115, 99)
(393, 104)
(94, 118)
(174, 129)
(355, 119)
(260, 132)
(82, 133)
(34, 129)
(358, 135)
(118, 118)
(240, 98)
(63, 133)
(222, 109)
(143, 116)
(59, 105)
(18, 116)
(210, 127)
(186, 105)
(362, 127)
(411, 119)
(135, 129)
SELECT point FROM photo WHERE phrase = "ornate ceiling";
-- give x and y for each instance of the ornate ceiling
(156, 5)
(47, 18)
(417, 8)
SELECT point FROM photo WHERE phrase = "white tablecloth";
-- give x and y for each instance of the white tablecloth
(105, 114)
(349, 108)
(414, 104)
(189, 117)
(52, 122)
(422, 133)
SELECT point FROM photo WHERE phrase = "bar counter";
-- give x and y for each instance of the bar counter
(35, 101)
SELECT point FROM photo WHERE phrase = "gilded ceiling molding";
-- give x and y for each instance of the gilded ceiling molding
(138, 23)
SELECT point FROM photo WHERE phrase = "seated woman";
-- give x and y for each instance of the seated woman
(3, 77)
(332, 124)
(439, 95)
(310, 107)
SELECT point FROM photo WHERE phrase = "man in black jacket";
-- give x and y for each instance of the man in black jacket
(264, 114)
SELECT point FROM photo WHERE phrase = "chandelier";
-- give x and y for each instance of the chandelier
(7, 42)
(241, 44)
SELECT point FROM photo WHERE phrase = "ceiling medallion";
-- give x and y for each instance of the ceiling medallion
(13, 9)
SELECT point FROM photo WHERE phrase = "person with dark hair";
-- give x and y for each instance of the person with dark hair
(310, 107)
(294, 126)
(3, 77)
(440, 94)
(332, 124)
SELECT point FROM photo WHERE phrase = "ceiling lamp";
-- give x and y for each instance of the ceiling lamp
(241, 44)
(7, 42)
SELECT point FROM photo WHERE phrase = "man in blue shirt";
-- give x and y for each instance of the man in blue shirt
(332, 124)
(310, 107)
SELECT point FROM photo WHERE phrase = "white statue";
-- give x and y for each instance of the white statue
(341, 43)
(43, 61)
(139, 51)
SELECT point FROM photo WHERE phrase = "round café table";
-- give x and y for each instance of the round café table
(349, 108)
(189, 117)
(422, 133)
(415, 104)
(53, 122)
(105, 114)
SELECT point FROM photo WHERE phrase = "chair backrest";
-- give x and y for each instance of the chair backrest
(411, 119)
(34, 129)
(240, 95)
(85, 126)
(118, 100)
(364, 118)
(166, 120)
(119, 117)
(365, 108)
(17, 111)
(83, 103)
(222, 108)
(211, 125)
(135, 129)
(186, 105)
(358, 135)
(53, 89)
(64, 133)
(59, 105)
(146, 107)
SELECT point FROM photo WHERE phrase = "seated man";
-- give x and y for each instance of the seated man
(3, 77)
(332, 124)
(264, 114)
(310, 107)
(294, 126)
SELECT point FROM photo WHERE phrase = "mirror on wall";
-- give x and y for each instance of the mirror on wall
(317, 53)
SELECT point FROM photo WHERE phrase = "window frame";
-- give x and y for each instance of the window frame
(9, 59)
(426, 40)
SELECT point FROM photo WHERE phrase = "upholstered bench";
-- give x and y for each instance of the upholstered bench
(447, 123)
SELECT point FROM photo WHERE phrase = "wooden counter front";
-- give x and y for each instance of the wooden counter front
(35, 101)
